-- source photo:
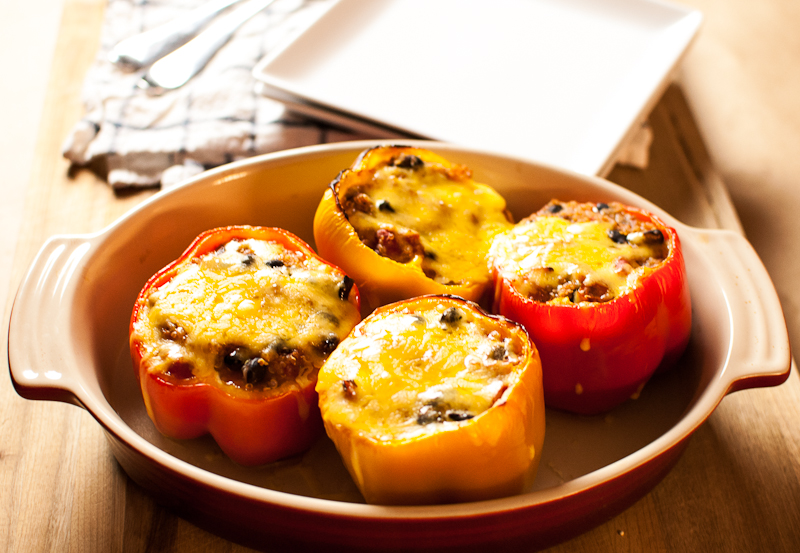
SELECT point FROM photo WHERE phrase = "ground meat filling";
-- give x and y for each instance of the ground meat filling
(276, 364)
(639, 243)
(401, 245)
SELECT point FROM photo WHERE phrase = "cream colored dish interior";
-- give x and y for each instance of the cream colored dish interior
(90, 282)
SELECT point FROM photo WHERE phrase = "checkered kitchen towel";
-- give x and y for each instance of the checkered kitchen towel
(144, 140)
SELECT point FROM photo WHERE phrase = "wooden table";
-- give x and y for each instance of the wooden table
(736, 488)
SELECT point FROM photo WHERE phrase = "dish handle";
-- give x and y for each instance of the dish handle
(759, 353)
(41, 353)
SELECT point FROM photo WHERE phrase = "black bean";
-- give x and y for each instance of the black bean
(654, 236)
(450, 316)
(428, 414)
(384, 205)
(453, 415)
(236, 357)
(328, 343)
(274, 263)
(599, 207)
(349, 388)
(345, 287)
(437, 412)
(617, 236)
(254, 370)
(555, 208)
(498, 353)
(409, 162)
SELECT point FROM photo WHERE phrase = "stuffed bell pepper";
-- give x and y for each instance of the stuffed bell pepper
(228, 340)
(431, 400)
(405, 222)
(602, 291)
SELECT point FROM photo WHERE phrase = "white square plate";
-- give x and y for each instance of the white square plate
(557, 81)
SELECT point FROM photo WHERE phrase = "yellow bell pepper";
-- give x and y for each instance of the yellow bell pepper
(431, 400)
(405, 222)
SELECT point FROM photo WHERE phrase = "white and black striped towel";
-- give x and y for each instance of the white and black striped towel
(217, 117)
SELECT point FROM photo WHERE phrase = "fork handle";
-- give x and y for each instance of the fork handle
(175, 69)
(142, 49)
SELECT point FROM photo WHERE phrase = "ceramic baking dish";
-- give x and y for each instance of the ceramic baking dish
(68, 341)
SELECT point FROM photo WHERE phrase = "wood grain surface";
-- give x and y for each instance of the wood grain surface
(736, 488)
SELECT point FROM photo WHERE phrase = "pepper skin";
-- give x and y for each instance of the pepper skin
(382, 279)
(431, 400)
(251, 424)
(597, 355)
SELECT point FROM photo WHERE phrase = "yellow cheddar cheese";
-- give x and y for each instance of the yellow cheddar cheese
(421, 212)
(409, 372)
(252, 315)
(571, 252)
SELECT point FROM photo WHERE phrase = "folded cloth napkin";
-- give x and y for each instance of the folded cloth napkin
(217, 117)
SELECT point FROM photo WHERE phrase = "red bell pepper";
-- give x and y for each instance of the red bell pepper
(252, 423)
(595, 355)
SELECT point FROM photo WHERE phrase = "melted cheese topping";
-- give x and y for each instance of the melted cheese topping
(546, 251)
(249, 299)
(453, 218)
(408, 373)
